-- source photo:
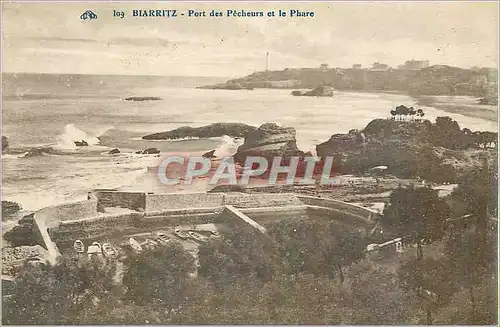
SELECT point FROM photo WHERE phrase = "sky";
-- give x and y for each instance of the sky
(51, 37)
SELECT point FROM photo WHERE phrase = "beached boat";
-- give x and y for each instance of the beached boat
(135, 245)
(163, 238)
(79, 246)
(197, 237)
(181, 234)
(108, 250)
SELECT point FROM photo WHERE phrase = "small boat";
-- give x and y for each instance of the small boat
(108, 250)
(149, 244)
(181, 234)
(163, 238)
(79, 246)
(95, 248)
(197, 237)
(135, 245)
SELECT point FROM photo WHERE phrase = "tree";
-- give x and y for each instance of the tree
(316, 247)
(377, 298)
(416, 211)
(478, 191)
(347, 249)
(241, 252)
(470, 260)
(447, 133)
(412, 112)
(420, 114)
(58, 294)
(393, 114)
(160, 277)
(401, 111)
(430, 281)
(302, 245)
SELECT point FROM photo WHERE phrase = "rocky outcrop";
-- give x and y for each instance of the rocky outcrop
(489, 100)
(212, 130)
(269, 140)
(5, 143)
(209, 154)
(22, 233)
(114, 151)
(81, 143)
(226, 86)
(320, 91)
(435, 152)
(14, 258)
(10, 209)
(142, 99)
(148, 151)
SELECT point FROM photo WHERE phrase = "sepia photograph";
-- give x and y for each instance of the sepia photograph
(249, 163)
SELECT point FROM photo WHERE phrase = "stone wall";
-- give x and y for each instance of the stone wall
(266, 215)
(261, 200)
(339, 205)
(239, 217)
(168, 201)
(129, 200)
(68, 211)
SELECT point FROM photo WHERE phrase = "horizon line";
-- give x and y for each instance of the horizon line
(226, 76)
(114, 74)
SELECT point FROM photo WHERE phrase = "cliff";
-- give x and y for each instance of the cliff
(434, 80)
(212, 130)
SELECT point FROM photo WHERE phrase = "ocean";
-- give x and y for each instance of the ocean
(42, 116)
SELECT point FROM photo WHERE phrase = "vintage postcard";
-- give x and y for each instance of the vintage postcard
(258, 163)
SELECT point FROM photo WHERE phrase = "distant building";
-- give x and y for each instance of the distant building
(356, 66)
(379, 67)
(415, 64)
(323, 66)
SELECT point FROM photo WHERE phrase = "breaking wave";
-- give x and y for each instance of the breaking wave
(228, 147)
(71, 134)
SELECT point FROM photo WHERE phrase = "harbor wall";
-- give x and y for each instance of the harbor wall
(341, 206)
(261, 200)
(68, 211)
(128, 200)
(168, 201)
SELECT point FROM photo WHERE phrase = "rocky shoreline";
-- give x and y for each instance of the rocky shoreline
(433, 80)
(406, 144)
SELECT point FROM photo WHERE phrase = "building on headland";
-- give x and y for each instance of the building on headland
(377, 66)
(323, 66)
(357, 66)
(414, 64)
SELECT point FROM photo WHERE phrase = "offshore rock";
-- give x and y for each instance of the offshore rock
(268, 141)
(320, 91)
(212, 130)
(209, 154)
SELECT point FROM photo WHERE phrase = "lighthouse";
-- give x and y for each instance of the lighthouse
(267, 61)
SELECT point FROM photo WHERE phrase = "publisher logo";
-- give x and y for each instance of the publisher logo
(88, 15)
